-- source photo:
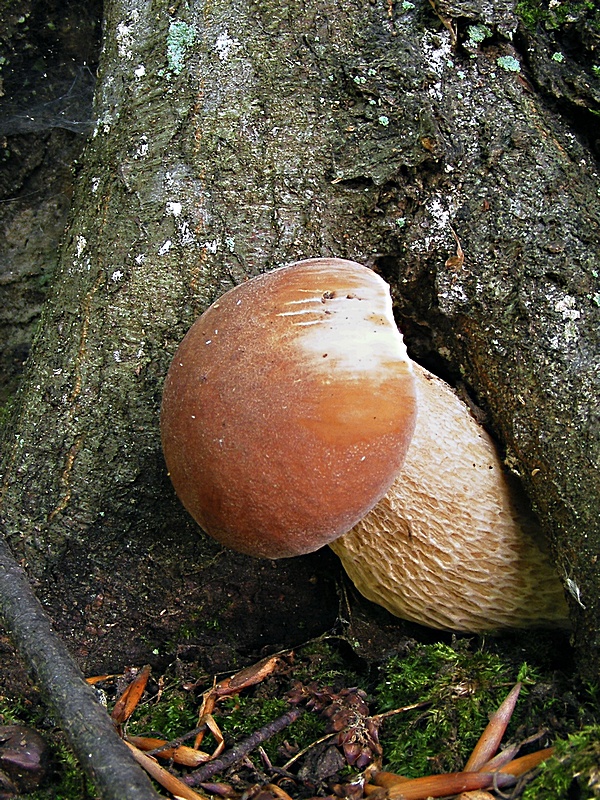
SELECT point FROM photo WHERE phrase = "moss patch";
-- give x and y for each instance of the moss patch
(573, 772)
(463, 685)
(556, 14)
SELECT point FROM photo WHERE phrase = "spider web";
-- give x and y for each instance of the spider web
(40, 99)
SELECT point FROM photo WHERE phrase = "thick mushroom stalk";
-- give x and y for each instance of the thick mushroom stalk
(454, 543)
(288, 408)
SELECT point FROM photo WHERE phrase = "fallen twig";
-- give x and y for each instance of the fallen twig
(91, 734)
(401, 710)
(241, 750)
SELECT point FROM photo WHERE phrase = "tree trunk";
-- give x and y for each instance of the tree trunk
(231, 139)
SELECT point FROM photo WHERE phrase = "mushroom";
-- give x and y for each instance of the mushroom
(287, 415)
(457, 544)
(288, 408)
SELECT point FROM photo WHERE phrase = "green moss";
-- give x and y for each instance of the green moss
(554, 15)
(462, 688)
(172, 715)
(325, 662)
(67, 781)
(13, 712)
(573, 772)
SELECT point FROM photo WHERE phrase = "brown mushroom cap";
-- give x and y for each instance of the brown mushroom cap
(288, 408)
(453, 544)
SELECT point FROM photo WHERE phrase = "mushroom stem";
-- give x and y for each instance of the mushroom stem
(454, 543)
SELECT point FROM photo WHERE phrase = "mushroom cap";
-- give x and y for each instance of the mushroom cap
(288, 408)
(454, 544)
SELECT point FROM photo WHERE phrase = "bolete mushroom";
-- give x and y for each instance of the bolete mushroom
(288, 408)
(457, 544)
(287, 414)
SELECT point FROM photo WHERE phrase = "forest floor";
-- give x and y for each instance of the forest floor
(368, 698)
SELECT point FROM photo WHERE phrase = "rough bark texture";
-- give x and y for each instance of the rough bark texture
(235, 137)
(48, 55)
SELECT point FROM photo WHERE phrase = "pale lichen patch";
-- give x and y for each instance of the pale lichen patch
(509, 63)
(226, 45)
(124, 39)
(174, 209)
(180, 38)
(81, 243)
(566, 307)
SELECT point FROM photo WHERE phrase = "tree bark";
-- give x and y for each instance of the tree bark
(235, 138)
